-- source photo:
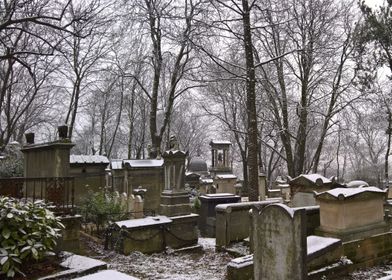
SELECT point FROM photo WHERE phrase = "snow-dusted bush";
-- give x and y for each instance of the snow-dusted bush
(28, 230)
(100, 208)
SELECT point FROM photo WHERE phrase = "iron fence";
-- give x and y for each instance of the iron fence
(58, 191)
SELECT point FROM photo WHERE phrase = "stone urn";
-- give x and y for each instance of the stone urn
(63, 131)
(29, 138)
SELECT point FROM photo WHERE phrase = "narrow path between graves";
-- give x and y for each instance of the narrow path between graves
(205, 264)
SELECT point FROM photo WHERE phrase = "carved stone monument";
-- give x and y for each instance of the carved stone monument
(279, 242)
(174, 198)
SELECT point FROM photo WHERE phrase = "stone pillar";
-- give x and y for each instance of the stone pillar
(262, 186)
(174, 198)
(279, 243)
(125, 181)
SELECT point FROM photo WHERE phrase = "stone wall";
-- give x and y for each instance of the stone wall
(152, 180)
(87, 178)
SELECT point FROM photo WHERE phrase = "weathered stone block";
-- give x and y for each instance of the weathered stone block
(279, 240)
(143, 235)
(351, 213)
(207, 210)
(240, 268)
(233, 220)
(182, 232)
(69, 240)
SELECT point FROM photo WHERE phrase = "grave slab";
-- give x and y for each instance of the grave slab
(76, 265)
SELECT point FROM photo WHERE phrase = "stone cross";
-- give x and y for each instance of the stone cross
(279, 243)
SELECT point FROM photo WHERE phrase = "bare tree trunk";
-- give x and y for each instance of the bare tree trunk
(389, 130)
(250, 105)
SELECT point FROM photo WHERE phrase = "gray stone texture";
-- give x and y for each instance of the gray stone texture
(279, 243)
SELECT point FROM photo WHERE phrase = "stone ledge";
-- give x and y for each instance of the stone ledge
(107, 274)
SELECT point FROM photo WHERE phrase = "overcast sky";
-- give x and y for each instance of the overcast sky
(374, 3)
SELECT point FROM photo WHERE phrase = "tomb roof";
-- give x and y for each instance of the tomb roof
(342, 193)
(197, 164)
(310, 179)
(116, 164)
(140, 163)
(220, 142)
(148, 221)
(88, 159)
(226, 176)
(357, 183)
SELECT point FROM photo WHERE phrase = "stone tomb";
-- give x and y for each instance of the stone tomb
(144, 235)
(352, 213)
(207, 211)
(303, 186)
(279, 241)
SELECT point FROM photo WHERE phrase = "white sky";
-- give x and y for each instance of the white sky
(374, 3)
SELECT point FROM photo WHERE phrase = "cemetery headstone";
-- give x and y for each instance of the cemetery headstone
(279, 236)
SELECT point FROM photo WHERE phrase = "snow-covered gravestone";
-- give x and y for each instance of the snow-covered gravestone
(123, 202)
(279, 242)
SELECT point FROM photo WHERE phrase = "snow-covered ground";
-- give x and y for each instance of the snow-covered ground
(207, 264)
(373, 273)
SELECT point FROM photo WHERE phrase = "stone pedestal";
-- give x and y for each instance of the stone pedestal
(174, 203)
(182, 232)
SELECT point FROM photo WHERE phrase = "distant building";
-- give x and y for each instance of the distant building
(197, 175)
(89, 173)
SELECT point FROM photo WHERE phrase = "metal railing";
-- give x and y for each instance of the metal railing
(59, 191)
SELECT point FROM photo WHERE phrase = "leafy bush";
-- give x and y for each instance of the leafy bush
(100, 208)
(27, 231)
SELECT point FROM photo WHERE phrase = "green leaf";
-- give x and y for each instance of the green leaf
(3, 260)
(25, 248)
(35, 253)
(6, 233)
(10, 215)
(6, 266)
(11, 273)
